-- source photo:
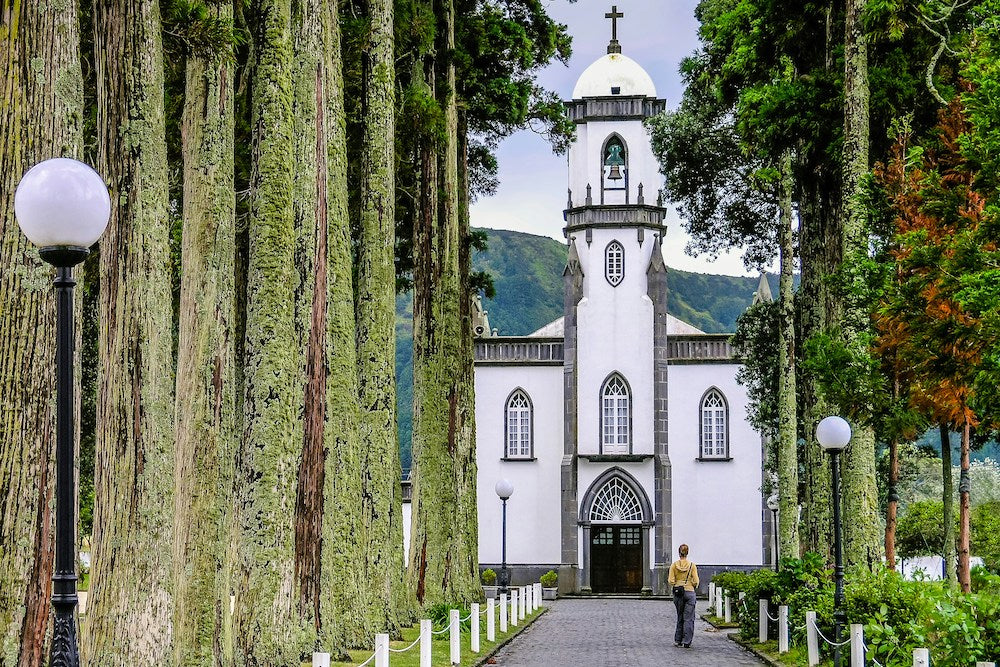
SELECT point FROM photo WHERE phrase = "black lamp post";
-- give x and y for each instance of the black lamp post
(772, 504)
(63, 207)
(504, 489)
(833, 434)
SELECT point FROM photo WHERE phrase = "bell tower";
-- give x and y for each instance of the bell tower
(615, 324)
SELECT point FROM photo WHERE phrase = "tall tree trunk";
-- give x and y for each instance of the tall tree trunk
(892, 505)
(466, 471)
(964, 489)
(788, 465)
(267, 626)
(205, 428)
(443, 561)
(129, 615)
(376, 313)
(817, 500)
(862, 542)
(41, 107)
(346, 617)
(309, 27)
(948, 511)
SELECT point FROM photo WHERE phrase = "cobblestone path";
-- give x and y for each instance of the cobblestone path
(627, 633)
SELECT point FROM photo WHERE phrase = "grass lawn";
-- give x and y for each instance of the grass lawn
(796, 656)
(440, 651)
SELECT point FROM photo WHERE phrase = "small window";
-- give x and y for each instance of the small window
(714, 426)
(616, 90)
(614, 263)
(518, 426)
(616, 417)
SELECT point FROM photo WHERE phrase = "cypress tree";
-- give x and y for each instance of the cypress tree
(41, 109)
(129, 615)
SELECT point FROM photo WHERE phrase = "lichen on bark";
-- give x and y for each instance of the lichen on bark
(40, 110)
(129, 614)
(205, 390)
(267, 630)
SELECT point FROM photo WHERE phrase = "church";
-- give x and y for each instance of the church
(622, 429)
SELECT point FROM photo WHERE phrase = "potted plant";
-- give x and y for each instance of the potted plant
(549, 581)
(489, 578)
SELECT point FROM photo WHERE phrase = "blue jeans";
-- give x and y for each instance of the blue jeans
(685, 618)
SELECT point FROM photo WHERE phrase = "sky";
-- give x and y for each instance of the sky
(532, 192)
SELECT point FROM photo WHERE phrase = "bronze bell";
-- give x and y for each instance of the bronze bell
(616, 173)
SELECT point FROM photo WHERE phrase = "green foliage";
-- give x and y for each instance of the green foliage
(756, 343)
(489, 577)
(549, 579)
(190, 27)
(439, 614)
(920, 531)
(898, 615)
(985, 538)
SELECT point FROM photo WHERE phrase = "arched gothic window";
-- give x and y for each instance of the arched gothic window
(616, 503)
(518, 426)
(616, 416)
(614, 263)
(714, 425)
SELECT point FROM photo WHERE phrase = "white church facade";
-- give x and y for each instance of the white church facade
(622, 428)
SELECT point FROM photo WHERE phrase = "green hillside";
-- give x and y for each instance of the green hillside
(527, 273)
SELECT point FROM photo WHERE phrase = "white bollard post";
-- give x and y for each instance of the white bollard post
(513, 607)
(720, 594)
(711, 595)
(522, 603)
(783, 629)
(986, 664)
(426, 639)
(812, 639)
(538, 595)
(491, 622)
(729, 609)
(454, 634)
(474, 636)
(531, 598)
(921, 657)
(857, 645)
(321, 660)
(503, 612)
(762, 621)
(381, 650)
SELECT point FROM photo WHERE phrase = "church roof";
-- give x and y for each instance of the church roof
(675, 327)
(614, 70)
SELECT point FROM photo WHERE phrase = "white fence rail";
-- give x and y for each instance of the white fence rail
(521, 603)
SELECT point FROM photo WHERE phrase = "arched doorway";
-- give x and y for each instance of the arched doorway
(616, 517)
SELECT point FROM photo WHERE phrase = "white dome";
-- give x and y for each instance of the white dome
(614, 70)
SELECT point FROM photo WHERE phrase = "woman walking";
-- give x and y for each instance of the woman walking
(683, 580)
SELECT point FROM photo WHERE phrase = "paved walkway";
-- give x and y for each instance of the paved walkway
(632, 633)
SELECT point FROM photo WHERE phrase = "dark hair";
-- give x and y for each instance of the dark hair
(683, 550)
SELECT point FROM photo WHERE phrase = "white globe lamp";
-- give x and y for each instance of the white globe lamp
(504, 489)
(63, 207)
(833, 433)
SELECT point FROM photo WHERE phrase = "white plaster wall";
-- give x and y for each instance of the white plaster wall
(717, 507)
(643, 472)
(585, 161)
(533, 512)
(615, 333)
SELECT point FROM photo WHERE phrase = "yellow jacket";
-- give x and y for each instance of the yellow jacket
(683, 573)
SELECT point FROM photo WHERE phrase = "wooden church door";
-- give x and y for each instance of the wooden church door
(616, 559)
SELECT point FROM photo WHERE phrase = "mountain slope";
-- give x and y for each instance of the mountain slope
(527, 273)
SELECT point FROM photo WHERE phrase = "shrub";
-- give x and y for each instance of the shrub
(489, 577)
(439, 615)
(549, 579)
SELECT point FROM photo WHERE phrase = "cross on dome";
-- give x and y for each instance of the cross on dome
(614, 15)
